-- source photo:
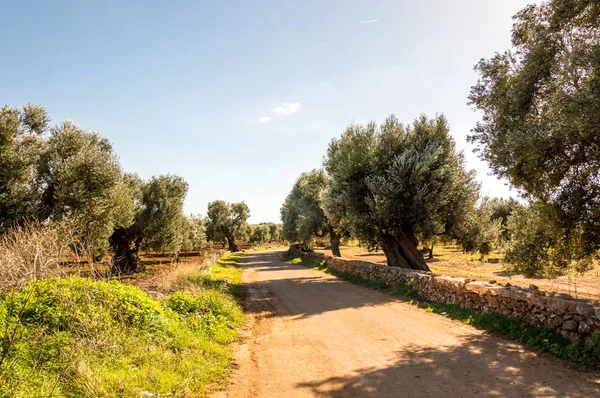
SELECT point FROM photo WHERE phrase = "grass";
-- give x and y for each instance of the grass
(540, 339)
(78, 337)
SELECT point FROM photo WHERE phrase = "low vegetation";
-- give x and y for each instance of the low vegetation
(74, 336)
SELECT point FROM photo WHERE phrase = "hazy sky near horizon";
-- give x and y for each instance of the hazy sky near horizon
(240, 97)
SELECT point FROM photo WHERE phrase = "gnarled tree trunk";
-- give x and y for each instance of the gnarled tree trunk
(401, 251)
(125, 259)
(334, 240)
(233, 247)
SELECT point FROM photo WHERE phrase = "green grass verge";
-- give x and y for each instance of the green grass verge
(78, 337)
(540, 339)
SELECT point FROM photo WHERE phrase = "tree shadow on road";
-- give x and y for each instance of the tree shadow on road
(303, 296)
(480, 366)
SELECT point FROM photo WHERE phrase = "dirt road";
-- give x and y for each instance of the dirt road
(312, 335)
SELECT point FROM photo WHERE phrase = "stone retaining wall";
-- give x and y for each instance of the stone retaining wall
(575, 319)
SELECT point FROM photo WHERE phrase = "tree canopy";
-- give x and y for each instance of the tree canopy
(541, 122)
(54, 174)
(81, 179)
(21, 144)
(68, 175)
(389, 181)
(227, 221)
(159, 222)
(302, 212)
(261, 233)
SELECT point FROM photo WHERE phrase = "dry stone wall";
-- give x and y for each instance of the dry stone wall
(574, 319)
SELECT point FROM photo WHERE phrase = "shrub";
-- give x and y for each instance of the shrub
(77, 337)
(31, 251)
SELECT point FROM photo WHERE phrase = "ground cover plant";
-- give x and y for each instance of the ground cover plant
(78, 337)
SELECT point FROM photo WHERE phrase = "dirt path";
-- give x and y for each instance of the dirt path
(312, 335)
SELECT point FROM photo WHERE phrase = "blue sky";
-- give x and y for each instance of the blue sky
(240, 97)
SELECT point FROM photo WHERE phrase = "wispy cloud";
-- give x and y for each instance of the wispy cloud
(369, 21)
(264, 119)
(287, 108)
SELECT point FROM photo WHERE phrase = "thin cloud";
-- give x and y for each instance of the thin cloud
(264, 119)
(287, 108)
(369, 21)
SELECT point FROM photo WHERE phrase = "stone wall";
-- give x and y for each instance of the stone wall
(573, 318)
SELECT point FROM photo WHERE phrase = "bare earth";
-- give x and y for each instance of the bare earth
(312, 335)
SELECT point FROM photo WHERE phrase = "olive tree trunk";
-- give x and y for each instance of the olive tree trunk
(125, 258)
(334, 240)
(233, 247)
(401, 251)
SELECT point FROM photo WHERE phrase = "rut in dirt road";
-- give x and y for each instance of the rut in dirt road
(312, 334)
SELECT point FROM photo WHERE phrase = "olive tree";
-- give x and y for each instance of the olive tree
(194, 233)
(540, 127)
(158, 222)
(390, 181)
(260, 233)
(302, 213)
(502, 209)
(274, 232)
(58, 174)
(21, 143)
(480, 231)
(227, 221)
(81, 179)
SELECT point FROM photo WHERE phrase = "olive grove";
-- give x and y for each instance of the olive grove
(64, 174)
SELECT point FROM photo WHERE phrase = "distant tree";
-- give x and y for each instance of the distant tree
(540, 127)
(194, 233)
(480, 231)
(260, 233)
(227, 221)
(274, 232)
(302, 213)
(158, 221)
(501, 209)
(387, 183)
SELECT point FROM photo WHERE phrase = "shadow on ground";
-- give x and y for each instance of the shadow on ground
(307, 296)
(485, 366)
(479, 364)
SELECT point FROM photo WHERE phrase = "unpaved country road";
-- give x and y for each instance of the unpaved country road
(312, 335)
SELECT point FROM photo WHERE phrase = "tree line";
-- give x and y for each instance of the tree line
(395, 186)
(64, 175)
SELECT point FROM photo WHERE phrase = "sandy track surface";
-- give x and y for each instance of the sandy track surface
(313, 335)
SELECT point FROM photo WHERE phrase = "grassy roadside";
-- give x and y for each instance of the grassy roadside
(78, 337)
(540, 339)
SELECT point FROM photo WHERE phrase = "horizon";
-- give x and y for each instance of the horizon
(239, 116)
